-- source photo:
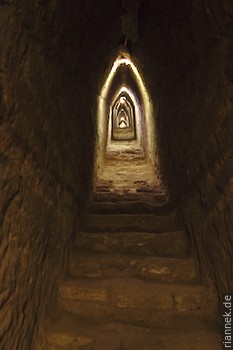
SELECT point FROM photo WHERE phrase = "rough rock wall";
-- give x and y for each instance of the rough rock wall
(186, 55)
(50, 62)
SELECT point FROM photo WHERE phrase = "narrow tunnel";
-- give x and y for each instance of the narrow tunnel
(126, 143)
(116, 136)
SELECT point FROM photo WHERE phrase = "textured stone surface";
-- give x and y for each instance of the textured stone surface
(134, 301)
(132, 207)
(54, 58)
(184, 53)
(155, 197)
(115, 290)
(130, 222)
(123, 265)
(46, 133)
(116, 336)
(175, 244)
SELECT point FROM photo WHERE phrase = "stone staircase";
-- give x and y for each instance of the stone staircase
(132, 283)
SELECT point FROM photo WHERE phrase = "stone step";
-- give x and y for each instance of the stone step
(175, 244)
(155, 198)
(89, 265)
(132, 207)
(69, 334)
(134, 301)
(130, 222)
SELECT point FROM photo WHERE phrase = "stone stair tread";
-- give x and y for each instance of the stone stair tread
(133, 284)
(99, 265)
(134, 301)
(67, 333)
(154, 197)
(132, 207)
(129, 222)
(171, 244)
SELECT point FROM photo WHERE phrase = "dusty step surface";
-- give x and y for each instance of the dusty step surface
(90, 265)
(130, 207)
(155, 198)
(131, 222)
(175, 244)
(68, 334)
(135, 302)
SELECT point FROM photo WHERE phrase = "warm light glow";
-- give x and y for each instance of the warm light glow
(144, 110)
(116, 65)
(128, 92)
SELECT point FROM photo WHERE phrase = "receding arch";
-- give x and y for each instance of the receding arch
(127, 128)
(122, 118)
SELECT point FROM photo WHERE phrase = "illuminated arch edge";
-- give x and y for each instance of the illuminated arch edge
(127, 91)
(122, 105)
(102, 111)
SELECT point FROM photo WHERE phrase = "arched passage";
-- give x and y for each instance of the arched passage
(122, 118)
(126, 142)
(53, 57)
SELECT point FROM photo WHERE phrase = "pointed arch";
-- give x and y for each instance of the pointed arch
(122, 118)
(137, 129)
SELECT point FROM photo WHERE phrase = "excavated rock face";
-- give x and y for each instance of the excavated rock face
(185, 51)
(52, 56)
(54, 59)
